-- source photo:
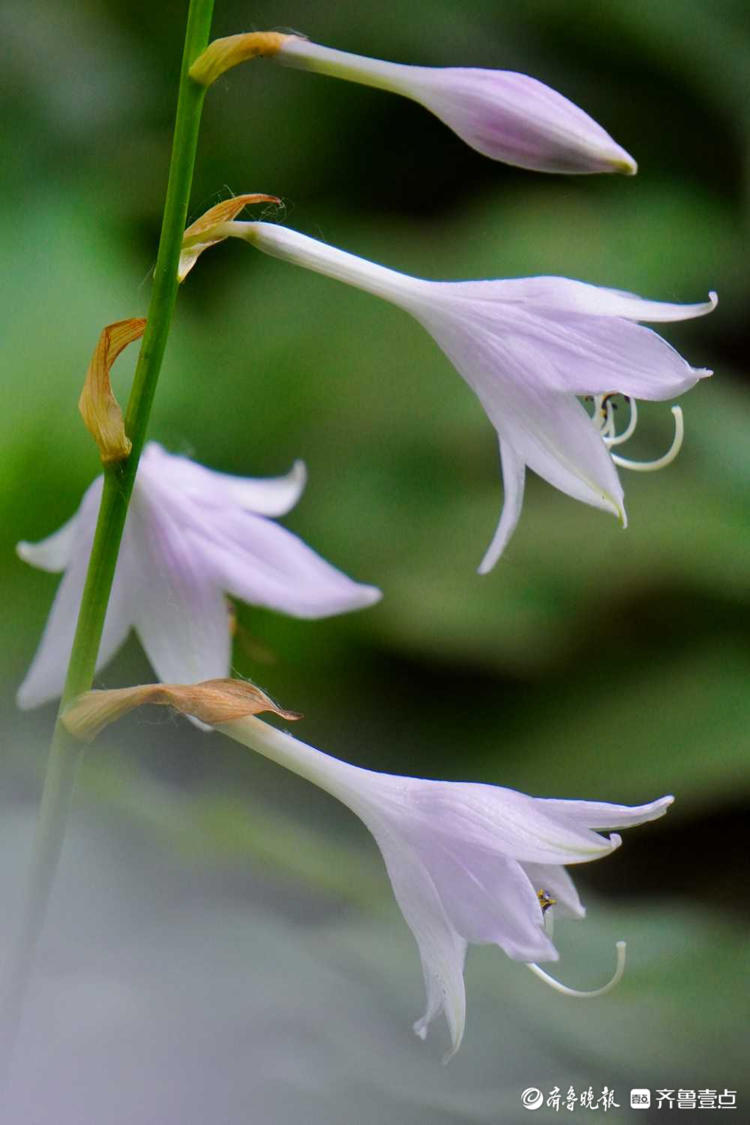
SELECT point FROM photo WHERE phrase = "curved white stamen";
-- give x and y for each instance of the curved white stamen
(577, 993)
(618, 439)
(660, 462)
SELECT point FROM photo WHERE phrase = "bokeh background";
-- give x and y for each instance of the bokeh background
(222, 943)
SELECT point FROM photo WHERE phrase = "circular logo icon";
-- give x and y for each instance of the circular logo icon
(532, 1098)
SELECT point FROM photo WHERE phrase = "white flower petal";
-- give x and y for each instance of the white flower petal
(565, 294)
(514, 475)
(488, 329)
(274, 496)
(599, 814)
(551, 432)
(180, 613)
(555, 881)
(441, 949)
(53, 553)
(266, 565)
(596, 355)
(489, 899)
(45, 678)
(502, 821)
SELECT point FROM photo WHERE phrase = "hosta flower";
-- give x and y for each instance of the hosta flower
(469, 863)
(192, 536)
(504, 115)
(528, 347)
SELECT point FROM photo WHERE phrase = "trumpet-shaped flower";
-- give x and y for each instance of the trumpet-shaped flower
(469, 863)
(504, 115)
(192, 536)
(528, 347)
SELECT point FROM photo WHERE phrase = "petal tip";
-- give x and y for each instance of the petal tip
(26, 700)
(624, 164)
(661, 806)
(369, 595)
(298, 473)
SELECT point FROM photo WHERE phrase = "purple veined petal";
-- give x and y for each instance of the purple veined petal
(555, 348)
(571, 296)
(442, 950)
(591, 355)
(556, 882)
(565, 294)
(560, 443)
(551, 432)
(501, 821)
(274, 496)
(266, 565)
(489, 900)
(180, 613)
(514, 475)
(45, 678)
(600, 815)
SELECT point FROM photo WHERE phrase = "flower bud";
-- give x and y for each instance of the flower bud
(504, 115)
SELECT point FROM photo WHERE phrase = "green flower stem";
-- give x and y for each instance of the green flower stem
(118, 485)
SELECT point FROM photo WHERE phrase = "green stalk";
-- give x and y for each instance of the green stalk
(65, 753)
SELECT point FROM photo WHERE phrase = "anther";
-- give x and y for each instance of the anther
(545, 900)
(577, 993)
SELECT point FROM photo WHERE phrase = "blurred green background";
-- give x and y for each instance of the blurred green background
(591, 663)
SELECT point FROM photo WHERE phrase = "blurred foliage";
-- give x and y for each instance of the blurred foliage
(593, 662)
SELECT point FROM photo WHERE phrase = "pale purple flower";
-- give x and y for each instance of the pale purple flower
(504, 115)
(192, 536)
(528, 347)
(469, 863)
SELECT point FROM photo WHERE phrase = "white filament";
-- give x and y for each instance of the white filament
(660, 462)
(615, 438)
(577, 993)
(604, 419)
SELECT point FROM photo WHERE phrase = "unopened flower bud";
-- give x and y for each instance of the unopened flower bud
(504, 115)
(500, 113)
